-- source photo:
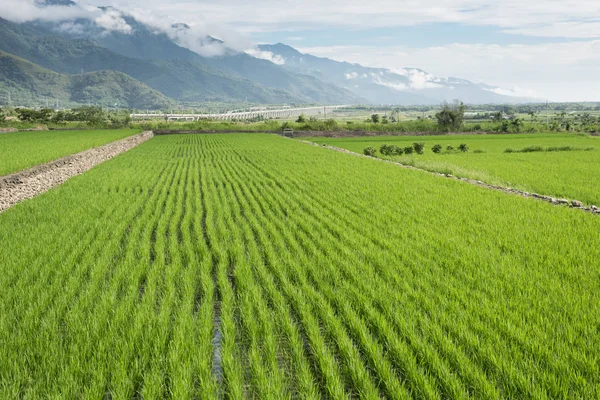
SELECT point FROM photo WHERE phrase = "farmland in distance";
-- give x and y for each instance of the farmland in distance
(554, 173)
(198, 266)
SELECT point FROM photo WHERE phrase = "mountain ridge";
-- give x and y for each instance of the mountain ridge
(381, 85)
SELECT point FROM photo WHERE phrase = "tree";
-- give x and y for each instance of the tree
(451, 117)
(92, 115)
(301, 119)
(533, 116)
(2, 115)
(463, 147)
(517, 124)
(375, 118)
(29, 115)
(437, 148)
(497, 116)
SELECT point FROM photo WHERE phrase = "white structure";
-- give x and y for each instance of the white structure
(267, 114)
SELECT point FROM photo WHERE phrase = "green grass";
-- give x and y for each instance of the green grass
(21, 150)
(325, 276)
(569, 174)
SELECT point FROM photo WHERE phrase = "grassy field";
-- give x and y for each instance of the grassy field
(567, 174)
(199, 266)
(21, 150)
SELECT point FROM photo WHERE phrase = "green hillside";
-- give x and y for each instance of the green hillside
(230, 78)
(30, 84)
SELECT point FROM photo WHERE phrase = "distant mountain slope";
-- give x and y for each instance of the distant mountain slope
(29, 81)
(269, 74)
(378, 85)
(181, 80)
(148, 44)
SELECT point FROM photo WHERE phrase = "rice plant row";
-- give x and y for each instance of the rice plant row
(251, 266)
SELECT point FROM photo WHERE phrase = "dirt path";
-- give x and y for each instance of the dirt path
(27, 184)
(559, 202)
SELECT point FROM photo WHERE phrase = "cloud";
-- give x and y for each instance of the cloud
(552, 18)
(514, 91)
(554, 71)
(31, 10)
(196, 34)
(112, 21)
(351, 75)
(266, 55)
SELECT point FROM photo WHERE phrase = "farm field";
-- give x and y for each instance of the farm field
(22, 150)
(206, 266)
(567, 174)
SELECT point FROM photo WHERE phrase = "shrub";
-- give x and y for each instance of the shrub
(408, 150)
(509, 150)
(437, 148)
(397, 150)
(419, 147)
(370, 151)
(390, 150)
(375, 118)
(449, 148)
(532, 149)
(301, 119)
(330, 124)
(479, 151)
(463, 147)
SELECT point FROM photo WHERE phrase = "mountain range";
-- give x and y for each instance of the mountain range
(81, 61)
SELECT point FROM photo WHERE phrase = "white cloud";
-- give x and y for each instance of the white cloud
(514, 91)
(568, 18)
(112, 21)
(29, 10)
(556, 71)
(266, 55)
(351, 75)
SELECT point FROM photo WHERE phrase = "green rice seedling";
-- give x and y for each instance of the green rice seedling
(207, 266)
(22, 150)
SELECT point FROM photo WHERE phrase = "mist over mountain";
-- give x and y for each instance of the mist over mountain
(379, 85)
(189, 65)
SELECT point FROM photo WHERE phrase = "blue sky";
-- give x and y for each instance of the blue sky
(548, 49)
(422, 35)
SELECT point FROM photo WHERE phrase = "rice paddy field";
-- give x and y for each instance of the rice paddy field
(21, 150)
(568, 174)
(253, 266)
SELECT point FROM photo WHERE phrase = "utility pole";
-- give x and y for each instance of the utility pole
(325, 112)
(547, 112)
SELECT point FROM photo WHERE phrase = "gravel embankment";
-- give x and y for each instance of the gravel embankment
(27, 184)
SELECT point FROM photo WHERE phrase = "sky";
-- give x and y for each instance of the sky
(546, 49)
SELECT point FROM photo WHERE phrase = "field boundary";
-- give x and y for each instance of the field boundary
(327, 134)
(34, 181)
(549, 199)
